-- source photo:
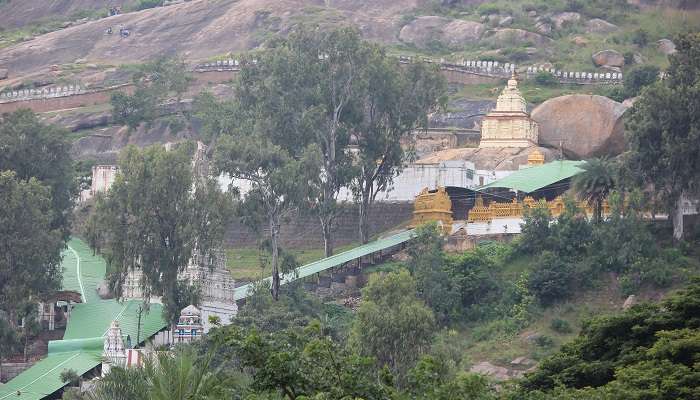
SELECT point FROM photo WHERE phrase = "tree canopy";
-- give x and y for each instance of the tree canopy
(30, 246)
(34, 150)
(663, 132)
(155, 216)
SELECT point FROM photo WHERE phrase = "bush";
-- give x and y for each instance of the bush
(145, 4)
(615, 92)
(545, 78)
(544, 341)
(552, 280)
(487, 9)
(639, 77)
(560, 325)
(640, 37)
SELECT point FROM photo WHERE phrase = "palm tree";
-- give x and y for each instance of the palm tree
(595, 183)
(179, 375)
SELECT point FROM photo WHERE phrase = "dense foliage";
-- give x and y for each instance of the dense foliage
(663, 132)
(154, 217)
(648, 352)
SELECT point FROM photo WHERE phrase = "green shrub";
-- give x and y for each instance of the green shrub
(639, 77)
(145, 4)
(544, 341)
(640, 37)
(615, 92)
(487, 9)
(545, 78)
(552, 280)
(560, 325)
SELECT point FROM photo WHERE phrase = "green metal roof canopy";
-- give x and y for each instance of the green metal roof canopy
(82, 344)
(530, 179)
(332, 261)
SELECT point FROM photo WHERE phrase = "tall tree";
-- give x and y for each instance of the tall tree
(397, 101)
(155, 216)
(263, 140)
(663, 132)
(392, 324)
(595, 183)
(35, 150)
(30, 248)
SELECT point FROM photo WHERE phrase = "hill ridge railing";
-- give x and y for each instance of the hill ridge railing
(487, 68)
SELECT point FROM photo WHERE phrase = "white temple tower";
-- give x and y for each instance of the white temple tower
(509, 124)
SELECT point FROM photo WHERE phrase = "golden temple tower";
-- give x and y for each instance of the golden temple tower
(433, 206)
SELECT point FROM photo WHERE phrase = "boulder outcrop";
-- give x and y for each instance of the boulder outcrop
(585, 125)
(511, 36)
(597, 25)
(609, 58)
(424, 30)
(564, 18)
(666, 46)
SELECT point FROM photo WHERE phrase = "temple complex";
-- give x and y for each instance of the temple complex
(210, 275)
(509, 124)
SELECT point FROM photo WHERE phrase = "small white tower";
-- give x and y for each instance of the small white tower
(114, 352)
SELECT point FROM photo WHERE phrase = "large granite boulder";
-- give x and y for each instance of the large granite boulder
(597, 25)
(585, 125)
(666, 46)
(609, 58)
(512, 36)
(563, 18)
(427, 29)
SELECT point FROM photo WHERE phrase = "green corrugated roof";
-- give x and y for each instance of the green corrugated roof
(333, 261)
(81, 349)
(44, 377)
(93, 319)
(530, 179)
(82, 271)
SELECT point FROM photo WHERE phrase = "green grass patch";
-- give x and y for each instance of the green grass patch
(249, 264)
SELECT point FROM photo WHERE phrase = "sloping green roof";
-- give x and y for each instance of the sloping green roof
(82, 271)
(93, 319)
(81, 347)
(44, 377)
(333, 261)
(530, 179)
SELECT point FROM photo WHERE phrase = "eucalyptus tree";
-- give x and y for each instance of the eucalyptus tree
(396, 101)
(260, 140)
(30, 247)
(33, 149)
(155, 215)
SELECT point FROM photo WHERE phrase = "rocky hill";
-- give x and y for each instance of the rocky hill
(45, 43)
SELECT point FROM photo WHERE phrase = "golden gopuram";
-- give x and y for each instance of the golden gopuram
(515, 209)
(535, 158)
(433, 206)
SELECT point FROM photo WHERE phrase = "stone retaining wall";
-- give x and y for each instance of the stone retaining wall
(304, 231)
(10, 370)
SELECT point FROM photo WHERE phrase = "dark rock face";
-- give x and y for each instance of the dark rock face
(464, 113)
(3, 73)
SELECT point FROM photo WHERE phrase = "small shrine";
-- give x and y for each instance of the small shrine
(189, 325)
(509, 124)
(535, 158)
(432, 206)
(114, 352)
